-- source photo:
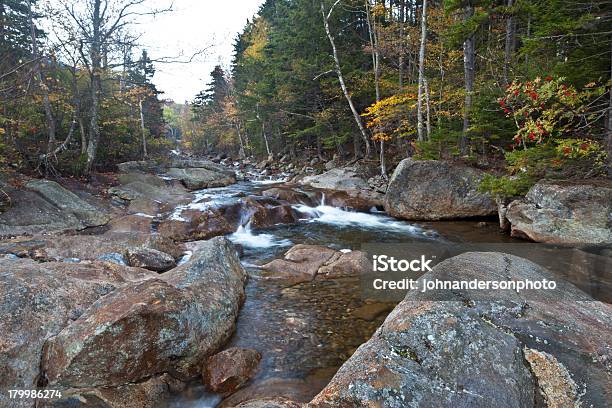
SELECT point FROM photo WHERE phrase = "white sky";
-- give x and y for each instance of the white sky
(193, 25)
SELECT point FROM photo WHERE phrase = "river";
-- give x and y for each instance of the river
(306, 331)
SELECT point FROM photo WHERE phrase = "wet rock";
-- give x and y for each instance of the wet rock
(292, 389)
(345, 264)
(564, 213)
(160, 325)
(436, 190)
(199, 178)
(303, 263)
(37, 300)
(229, 370)
(270, 403)
(345, 187)
(287, 194)
(196, 225)
(45, 206)
(260, 212)
(300, 264)
(150, 259)
(456, 348)
(370, 311)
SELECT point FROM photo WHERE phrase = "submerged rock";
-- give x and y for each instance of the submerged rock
(454, 348)
(229, 370)
(436, 190)
(304, 263)
(560, 213)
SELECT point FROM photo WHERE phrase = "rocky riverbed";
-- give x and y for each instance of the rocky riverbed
(121, 293)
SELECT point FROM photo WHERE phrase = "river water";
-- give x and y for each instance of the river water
(306, 331)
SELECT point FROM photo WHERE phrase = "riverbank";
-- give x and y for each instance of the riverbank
(304, 324)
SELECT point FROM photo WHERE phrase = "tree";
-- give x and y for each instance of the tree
(326, 15)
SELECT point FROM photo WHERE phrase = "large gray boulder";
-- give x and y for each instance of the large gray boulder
(46, 206)
(436, 190)
(161, 325)
(345, 187)
(37, 300)
(459, 349)
(564, 213)
(150, 193)
(199, 178)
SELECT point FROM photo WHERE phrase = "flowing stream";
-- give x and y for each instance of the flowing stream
(306, 331)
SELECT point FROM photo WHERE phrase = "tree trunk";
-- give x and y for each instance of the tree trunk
(402, 18)
(95, 79)
(51, 129)
(345, 91)
(509, 44)
(427, 107)
(420, 135)
(143, 130)
(609, 122)
(376, 65)
(469, 59)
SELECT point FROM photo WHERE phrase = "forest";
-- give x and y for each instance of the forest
(517, 83)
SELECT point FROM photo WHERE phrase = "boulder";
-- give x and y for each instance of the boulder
(260, 212)
(304, 263)
(436, 190)
(195, 225)
(46, 206)
(564, 213)
(287, 194)
(345, 187)
(150, 259)
(148, 394)
(159, 325)
(460, 348)
(292, 389)
(145, 166)
(200, 178)
(300, 264)
(229, 370)
(37, 300)
(342, 179)
(150, 192)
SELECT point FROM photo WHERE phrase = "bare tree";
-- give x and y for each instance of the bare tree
(469, 61)
(422, 80)
(50, 119)
(347, 95)
(375, 51)
(98, 24)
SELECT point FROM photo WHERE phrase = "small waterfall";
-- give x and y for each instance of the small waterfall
(244, 236)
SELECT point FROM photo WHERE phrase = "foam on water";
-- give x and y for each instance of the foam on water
(245, 237)
(337, 216)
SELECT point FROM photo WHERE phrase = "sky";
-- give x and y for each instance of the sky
(193, 25)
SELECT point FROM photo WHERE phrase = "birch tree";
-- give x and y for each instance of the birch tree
(347, 95)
